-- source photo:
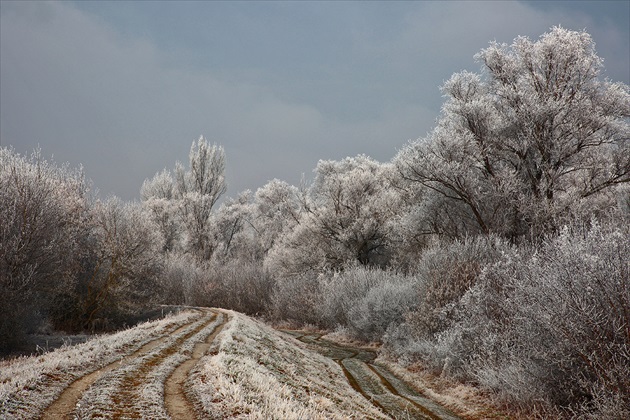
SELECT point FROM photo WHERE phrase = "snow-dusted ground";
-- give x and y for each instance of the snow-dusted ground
(255, 372)
(29, 384)
(237, 368)
(136, 388)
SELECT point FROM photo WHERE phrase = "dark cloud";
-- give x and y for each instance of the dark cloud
(125, 87)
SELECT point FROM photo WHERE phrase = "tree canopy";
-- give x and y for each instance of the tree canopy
(533, 138)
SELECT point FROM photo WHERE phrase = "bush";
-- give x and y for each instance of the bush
(366, 301)
(341, 292)
(384, 306)
(297, 299)
(547, 328)
(242, 286)
(180, 279)
(446, 272)
(575, 296)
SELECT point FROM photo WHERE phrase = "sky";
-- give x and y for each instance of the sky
(124, 88)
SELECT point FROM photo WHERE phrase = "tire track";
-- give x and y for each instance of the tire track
(381, 387)
(64, 406)
(400, 388)
(128, 390)
(177, 405)
(379, 391)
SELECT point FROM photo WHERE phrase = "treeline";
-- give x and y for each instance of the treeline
(493, 251)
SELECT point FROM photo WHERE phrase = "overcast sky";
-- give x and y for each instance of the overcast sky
(123, 88)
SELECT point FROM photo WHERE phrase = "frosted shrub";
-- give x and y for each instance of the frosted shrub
(342, 291)
(449, 352)
(297, 298)
(384, 306)
(623, 202)
(440, 330)
(580, 290)
(546, 328)
(180, 279)
(240, 285)
(446, 272)
(556, 323)
(237, 284)
(366, 301)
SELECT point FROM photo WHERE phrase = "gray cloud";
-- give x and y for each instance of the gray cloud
(281, 85)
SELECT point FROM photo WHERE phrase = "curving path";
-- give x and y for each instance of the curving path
(151, 382)
(382, 388)
(177, 404)
(132, 373)
(63, 407)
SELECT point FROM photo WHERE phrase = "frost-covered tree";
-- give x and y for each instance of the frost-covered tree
(182, 202)
(534, 139)
(233, 233)
(121, 270)
(247, 226)
(352, 205)
(158, 197)
(277, 209)
(198, 190)
(345, 219)
(44, 218)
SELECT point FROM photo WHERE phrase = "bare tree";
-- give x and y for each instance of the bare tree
(123, 264)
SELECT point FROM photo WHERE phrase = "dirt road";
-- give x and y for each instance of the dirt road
(157, 380)
(375, 382)
(128, 387)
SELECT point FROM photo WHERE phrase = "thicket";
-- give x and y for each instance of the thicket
(68, 261)
(545, 327)
(493, 251)
(44, 210)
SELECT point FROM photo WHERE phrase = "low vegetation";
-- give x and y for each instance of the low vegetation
(492, 253)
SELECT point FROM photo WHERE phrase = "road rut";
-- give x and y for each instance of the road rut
(177, 404)
(64, 406)
(130, 387)
(381, 387)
